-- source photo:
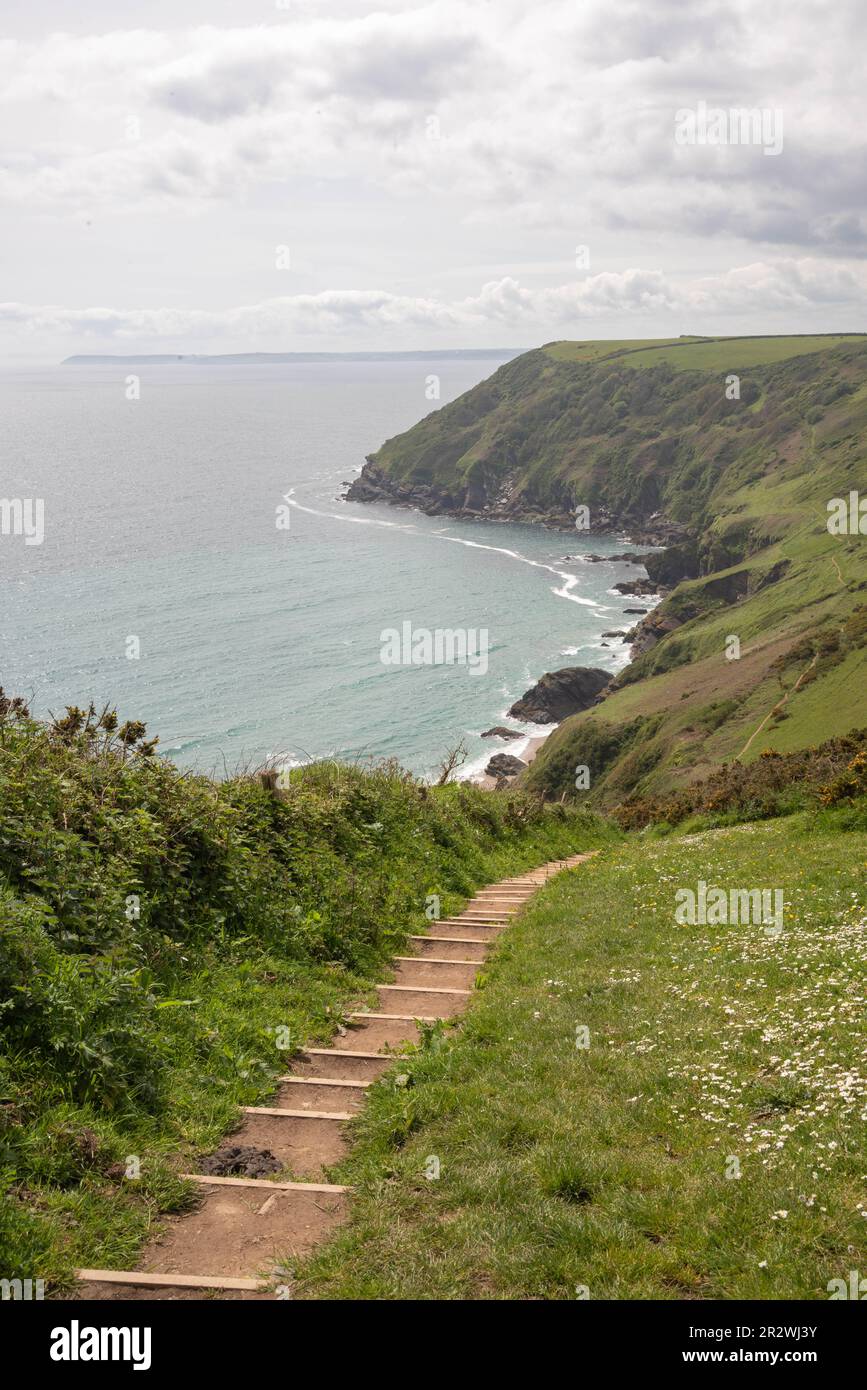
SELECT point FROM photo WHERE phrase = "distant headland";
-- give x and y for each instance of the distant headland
(268, 358)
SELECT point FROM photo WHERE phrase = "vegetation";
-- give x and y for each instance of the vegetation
(646, 434)
(775, 784)
(157, 930)
(160, 931)
(611, 1170)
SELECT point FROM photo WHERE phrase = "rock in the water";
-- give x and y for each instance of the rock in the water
(636, 586)
(499, 731)
(504, 765)
(561, 693)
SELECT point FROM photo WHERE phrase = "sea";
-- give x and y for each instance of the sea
(199, 570)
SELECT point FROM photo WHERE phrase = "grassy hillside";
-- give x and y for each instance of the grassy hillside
(166, 942)
(608, 1167)
(646, 437)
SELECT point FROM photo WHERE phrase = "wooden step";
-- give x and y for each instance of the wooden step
(339, 1116)
(423, 989)
(321, 1081)
(397, 1018)
(207, 1180)
(346, 1052)
(458, 940)
(168, 1281)
(432, 960)
(500, 897)
(466, 931)
(459, 922)
(482, 915)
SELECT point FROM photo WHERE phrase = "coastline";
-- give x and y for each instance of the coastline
(526, 754)
(527, 746)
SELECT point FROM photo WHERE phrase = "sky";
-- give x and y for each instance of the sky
(328, 175)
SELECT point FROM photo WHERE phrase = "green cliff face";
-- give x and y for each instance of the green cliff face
(658, 440)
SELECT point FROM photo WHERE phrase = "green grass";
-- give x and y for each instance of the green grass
(260, 922)
(606, 1167)
(698, 354)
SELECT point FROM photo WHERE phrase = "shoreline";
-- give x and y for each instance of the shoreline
(534, 743)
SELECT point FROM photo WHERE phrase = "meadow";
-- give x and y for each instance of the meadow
(635, 1109)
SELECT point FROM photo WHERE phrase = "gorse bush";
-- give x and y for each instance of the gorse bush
(774, 785)
(848, 784)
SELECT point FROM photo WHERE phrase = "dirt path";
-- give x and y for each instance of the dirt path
(230, 1245)
(778, 705)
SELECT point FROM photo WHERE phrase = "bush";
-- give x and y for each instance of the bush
(775, 784)
(120, 876)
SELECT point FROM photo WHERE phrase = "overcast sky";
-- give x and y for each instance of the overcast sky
(431, 168)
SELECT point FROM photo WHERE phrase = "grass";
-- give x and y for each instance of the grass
(698, 354)
(606, 1168)
(129, 1039)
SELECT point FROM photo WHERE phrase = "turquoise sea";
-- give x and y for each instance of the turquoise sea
(255, 641)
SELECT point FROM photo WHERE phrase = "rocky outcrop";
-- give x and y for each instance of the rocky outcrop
(499, 731)
(629, 557)
(636, 586)
(490, 498)
(374, 485)
(649, 631)
(561, 693)
(504, 765)
(669, 567)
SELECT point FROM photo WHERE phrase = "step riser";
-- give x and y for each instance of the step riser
(296, 1094)
(381, 1033)
(420, 972)
(338, 1066)
(451, 950)
(422, 1004)
(461, 930)
(304, 1146)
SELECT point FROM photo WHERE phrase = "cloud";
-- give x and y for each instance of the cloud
(758, 288)
(500, 108)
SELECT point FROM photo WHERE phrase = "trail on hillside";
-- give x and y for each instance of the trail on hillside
(779, 705)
